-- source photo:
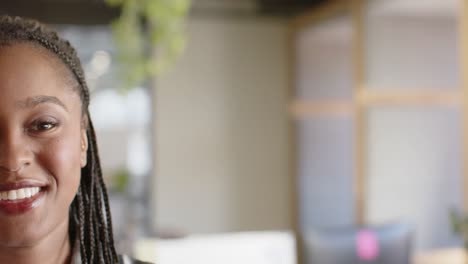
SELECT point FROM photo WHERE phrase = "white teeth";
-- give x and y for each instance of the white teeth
(27, 192)
(12, 195)
(19, 193)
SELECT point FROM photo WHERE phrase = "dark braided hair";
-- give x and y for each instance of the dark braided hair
(90, 218)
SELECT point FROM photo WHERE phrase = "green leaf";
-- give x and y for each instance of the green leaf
(114, 3)
(121, 179)
(166, 33)
(180, 7)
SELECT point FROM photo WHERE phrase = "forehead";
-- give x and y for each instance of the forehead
(31, 54)
(28, 70)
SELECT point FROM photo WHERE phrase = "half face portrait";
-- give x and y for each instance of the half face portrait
(42, 145)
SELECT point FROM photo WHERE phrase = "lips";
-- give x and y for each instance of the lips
(21, 197)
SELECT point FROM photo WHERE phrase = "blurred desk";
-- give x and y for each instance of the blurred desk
(442, 256)
(235, 248)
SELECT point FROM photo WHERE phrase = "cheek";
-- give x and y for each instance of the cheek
(61, 159)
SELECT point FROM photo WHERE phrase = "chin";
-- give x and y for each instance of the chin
(19, 240)
(24, 233)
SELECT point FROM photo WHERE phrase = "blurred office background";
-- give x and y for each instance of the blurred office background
(283, 124)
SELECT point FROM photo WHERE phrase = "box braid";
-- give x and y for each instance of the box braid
(90, 218)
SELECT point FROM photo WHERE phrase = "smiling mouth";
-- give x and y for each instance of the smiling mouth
(21, 200)
(19, 194)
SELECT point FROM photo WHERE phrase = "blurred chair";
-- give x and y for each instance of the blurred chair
(390, 244)
(235, 248)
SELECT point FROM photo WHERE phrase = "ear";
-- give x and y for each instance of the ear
(84, 147)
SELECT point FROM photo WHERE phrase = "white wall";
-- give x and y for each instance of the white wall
(221, 130)
(414, 171)
(325, 167)
(414, 153)
(412, 53)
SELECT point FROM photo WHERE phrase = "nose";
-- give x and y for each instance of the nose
(14, 152)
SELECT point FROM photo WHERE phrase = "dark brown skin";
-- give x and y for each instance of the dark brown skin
(44, 142)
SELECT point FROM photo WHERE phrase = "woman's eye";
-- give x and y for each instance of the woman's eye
(42, 126)
(45, 126)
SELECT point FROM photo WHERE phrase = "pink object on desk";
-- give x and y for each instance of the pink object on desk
(367, 245)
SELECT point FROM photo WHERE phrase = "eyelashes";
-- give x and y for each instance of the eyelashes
(43, 125)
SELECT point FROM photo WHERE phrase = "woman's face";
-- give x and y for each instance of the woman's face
(42, 145)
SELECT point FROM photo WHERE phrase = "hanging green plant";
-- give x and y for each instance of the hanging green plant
(143, 27)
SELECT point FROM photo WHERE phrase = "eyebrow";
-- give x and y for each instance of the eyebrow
(34, 101)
